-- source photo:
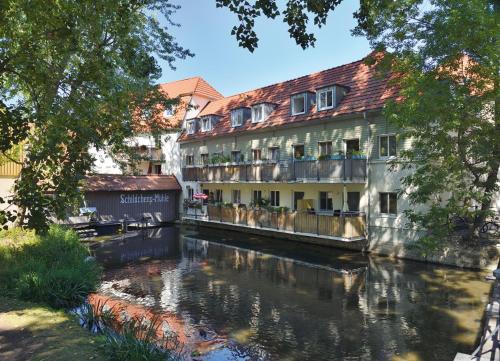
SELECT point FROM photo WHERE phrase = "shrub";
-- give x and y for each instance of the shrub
(51, 269)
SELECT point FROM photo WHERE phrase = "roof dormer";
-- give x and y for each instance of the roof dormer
(302, 103)
(330, 97)
(262, 111)
(207, 122)
(239, 116)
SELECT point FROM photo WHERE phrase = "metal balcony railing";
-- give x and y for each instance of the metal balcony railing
(332, 170)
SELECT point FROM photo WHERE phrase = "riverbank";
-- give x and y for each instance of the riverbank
(30, 331)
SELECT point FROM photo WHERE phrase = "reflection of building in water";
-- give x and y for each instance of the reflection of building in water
(274, 307)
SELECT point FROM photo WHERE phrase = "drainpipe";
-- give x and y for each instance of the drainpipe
(368, 158)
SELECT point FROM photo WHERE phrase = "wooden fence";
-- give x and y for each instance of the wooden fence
(345, 226)
(10, 169)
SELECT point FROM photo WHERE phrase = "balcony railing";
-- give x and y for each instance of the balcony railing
(333, 170)
(348, 226)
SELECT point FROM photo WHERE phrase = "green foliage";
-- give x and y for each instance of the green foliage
(296, 14)
(137, 341)
(78, 76)
(51, 269)
(447, 58)
(219, 158)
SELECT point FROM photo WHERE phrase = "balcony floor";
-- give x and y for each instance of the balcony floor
(353, 243)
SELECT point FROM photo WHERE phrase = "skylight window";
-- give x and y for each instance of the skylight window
(298, 104)
(237, 117)
(325, 98)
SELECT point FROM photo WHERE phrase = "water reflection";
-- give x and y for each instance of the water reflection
(272, 300)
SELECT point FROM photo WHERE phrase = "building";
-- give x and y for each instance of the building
(9, 171)
(318, 145)
(159, 153)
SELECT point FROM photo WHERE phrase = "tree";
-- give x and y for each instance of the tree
(447, 60)
(73, 74)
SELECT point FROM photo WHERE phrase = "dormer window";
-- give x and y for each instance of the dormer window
(326, 98)
(237, 117)
(261, 112)
(298, 104)
(206, 124)
(191, 127)
(169, 112)
(258, 113)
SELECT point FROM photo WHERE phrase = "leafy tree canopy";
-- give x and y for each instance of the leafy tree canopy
(72, 75)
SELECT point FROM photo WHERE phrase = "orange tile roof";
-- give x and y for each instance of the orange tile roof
(117, 182)
(367, 91)
(184, 89)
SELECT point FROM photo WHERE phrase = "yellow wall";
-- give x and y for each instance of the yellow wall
(286, 192)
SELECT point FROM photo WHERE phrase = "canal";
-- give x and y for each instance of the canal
(257, 298)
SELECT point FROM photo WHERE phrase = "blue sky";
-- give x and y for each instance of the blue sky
(206, 31)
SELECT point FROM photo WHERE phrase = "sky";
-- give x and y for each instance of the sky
(206, 31)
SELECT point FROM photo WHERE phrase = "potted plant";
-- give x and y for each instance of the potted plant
(358, 154)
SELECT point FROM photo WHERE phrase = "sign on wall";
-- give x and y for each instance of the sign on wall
(142, 199)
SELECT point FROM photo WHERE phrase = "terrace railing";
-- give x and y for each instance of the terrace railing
(350, 225)
(333, 170)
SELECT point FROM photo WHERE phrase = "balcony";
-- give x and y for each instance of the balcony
(349, 226)
(323, 171)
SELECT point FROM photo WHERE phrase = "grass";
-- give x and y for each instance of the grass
(52, 269)
(34, 332)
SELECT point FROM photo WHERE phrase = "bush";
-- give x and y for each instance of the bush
(51, 269)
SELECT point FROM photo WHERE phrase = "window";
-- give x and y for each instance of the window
(236, 117)
(190, 192)
(387, 146)
(274, 154)
(325, 98)
(325, 201)
(157, 168)
(388, 203)
(191, 127)
(236, 156)
(157, 139)
(275, 198)
(218, 195)
(297, 196)
(258, 113)
(206, 124)
(298, 151)
(325, 148)
(351, 145)
(257, 197)
(298, 104)
(236, 196)
(353, 201)
(169, 112)
(207, 193)
(204, 158)
(189, 159)
(256, 154)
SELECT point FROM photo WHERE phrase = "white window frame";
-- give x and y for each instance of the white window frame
(292, 98)
(189, 156)
(206, 120)
(202, 157)
(388, 156)
(190, 192)
(331, 89)
(236, 196)
(256, 151)
(219, 196)
(327, 198)
(169, 112)
(254, 194)
(262, 108)
(388, 204)
(324, 142)
(237, 114)
(274, 197)
(190, 127)
(270, 150)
